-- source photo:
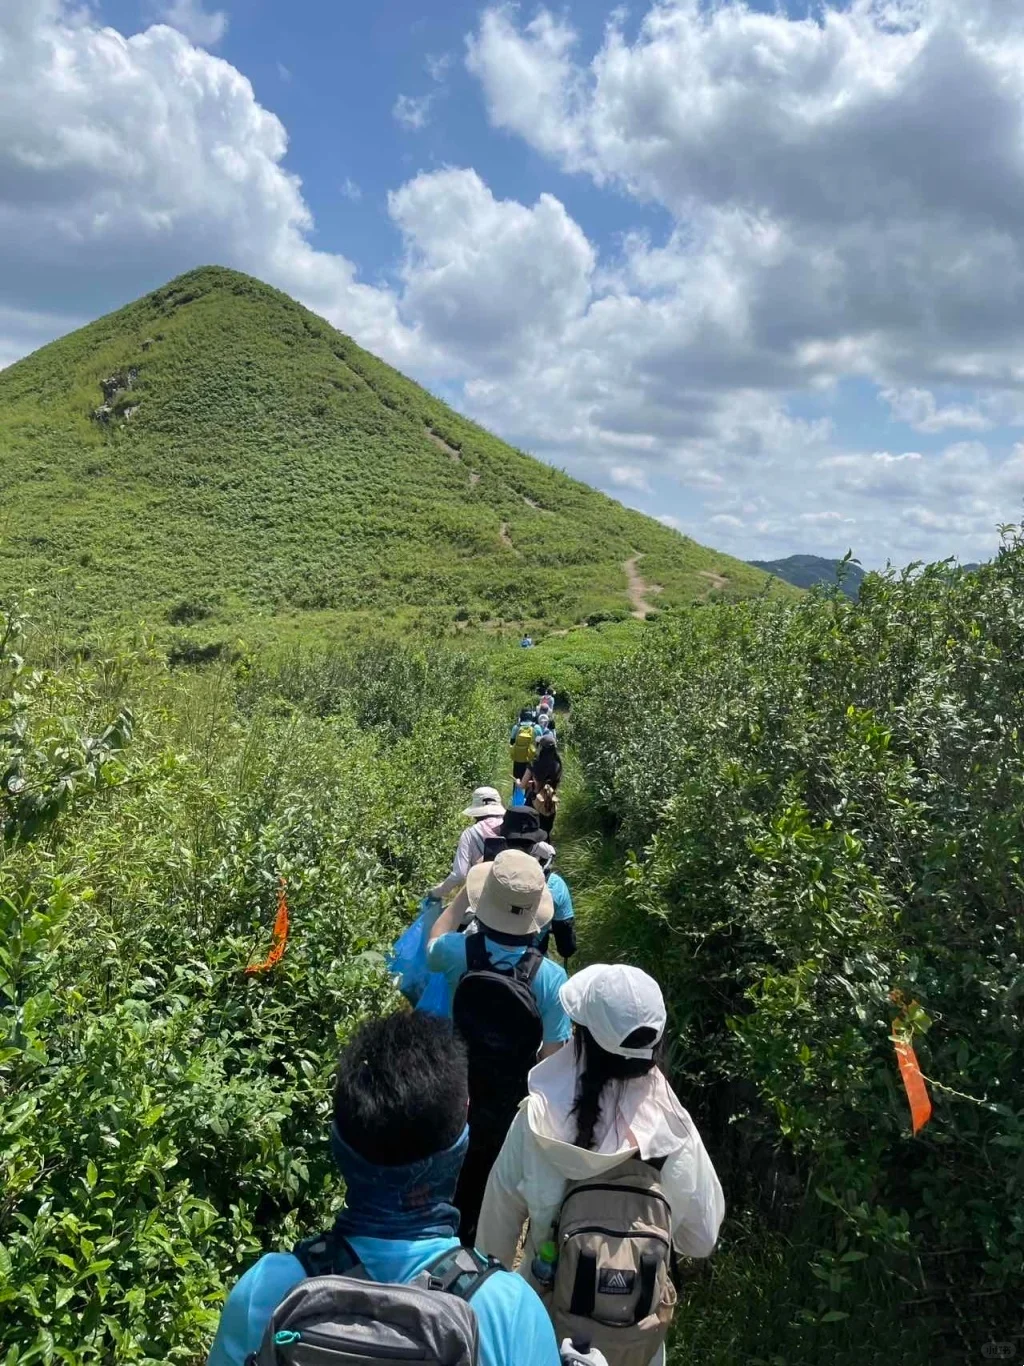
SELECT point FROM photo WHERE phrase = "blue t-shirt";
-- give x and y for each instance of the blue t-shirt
(447, 954)
(514, 1325)
(560, 896)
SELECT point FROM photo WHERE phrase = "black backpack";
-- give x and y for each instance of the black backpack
(496, 1012)
(493, 846)
(339, 1315)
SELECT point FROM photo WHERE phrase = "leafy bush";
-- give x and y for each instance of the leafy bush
(163, 1113)
(820, 807)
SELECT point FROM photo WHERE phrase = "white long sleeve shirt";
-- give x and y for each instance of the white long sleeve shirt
(539, 1159)
(469, 852)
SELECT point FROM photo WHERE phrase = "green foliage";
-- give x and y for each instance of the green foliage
(273, 476)
(819, 810)
(164, 1115)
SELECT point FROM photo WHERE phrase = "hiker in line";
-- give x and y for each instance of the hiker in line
(563, 923)
(603, 1140)
(523, 741)
(486, 811)
(519, 829)
(399, 1137)
(547, 700)
(504, 1001)
(541, 780)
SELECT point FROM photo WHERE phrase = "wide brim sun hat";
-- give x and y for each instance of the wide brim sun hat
(613, 1000)
(510, 895)
(486, 801)
(522, 823)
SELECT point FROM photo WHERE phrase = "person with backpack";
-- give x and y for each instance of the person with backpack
(486, 811)
(505, 1001)
(608, 1170)
(541, 779)
(389, 1282)
(563, 923)
(520, 829)
(547, 700)
(523, 741)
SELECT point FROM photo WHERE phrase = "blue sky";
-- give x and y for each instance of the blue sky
(756, 273)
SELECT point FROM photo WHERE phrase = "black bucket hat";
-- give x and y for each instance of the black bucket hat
(521, 825)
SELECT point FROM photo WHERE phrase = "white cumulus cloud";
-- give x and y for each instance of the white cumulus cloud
(844, 191)
(412, 111)
(125, 160)
(206, 27)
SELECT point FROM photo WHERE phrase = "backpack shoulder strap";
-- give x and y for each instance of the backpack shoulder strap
(329, 1254)
(460, 1271)
(477, 959)
(528, 966)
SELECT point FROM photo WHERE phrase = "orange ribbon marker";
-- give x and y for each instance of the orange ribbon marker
(280, 934)
(913, 1082)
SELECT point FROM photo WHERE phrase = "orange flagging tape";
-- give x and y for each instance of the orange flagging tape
(913, 1082)
(280, 934)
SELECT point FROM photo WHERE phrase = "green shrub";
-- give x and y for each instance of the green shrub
(820, 810)
(164, 1114)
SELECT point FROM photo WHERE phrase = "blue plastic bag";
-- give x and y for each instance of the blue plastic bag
(518, 796)
(435, 996)
(423, 989)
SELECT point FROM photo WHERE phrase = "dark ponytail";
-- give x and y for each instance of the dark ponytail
(597, 1069)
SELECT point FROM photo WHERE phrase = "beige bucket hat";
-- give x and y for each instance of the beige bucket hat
(486, 802)
(510, 895)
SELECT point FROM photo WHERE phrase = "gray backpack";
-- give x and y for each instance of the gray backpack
(338, 1316)
(613, 1283)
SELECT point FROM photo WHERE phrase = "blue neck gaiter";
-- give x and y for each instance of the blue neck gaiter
(414, 1201)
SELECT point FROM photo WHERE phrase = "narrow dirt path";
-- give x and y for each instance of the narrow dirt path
(504, 537)
(443, 445)
(716, 580)
(638, 588)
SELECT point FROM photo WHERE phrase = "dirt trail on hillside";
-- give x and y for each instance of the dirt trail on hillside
(504, 537)
(443, 445)
(638, 588)
(716, 580)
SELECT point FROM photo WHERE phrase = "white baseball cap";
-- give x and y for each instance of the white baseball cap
(486, 802)
(544, 853)
(612, 1000)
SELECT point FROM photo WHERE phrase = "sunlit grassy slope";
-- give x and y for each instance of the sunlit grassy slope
(257, 469)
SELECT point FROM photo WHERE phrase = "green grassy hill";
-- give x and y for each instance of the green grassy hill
(215, 456)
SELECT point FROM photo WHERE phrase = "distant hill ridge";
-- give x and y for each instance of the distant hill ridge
(806, 571)
(215, 454)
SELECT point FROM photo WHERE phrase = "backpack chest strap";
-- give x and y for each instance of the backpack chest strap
(461, 1272)
(329, 1254)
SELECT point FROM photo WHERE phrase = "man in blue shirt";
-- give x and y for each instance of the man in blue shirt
(563, 924)
(508, 934)
(399, 1137)
(512, 904)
